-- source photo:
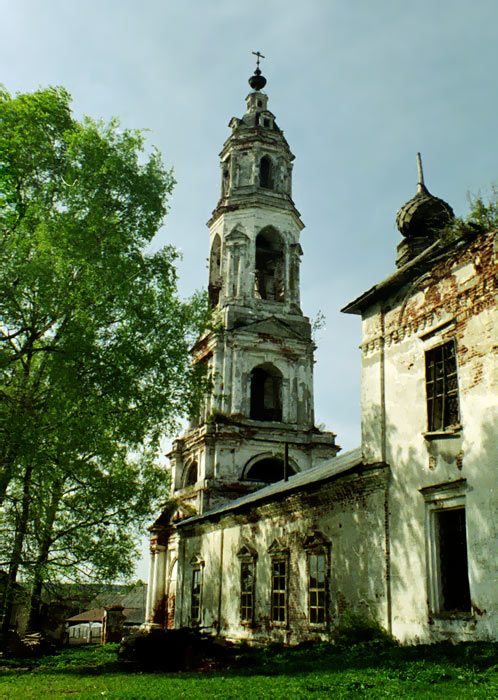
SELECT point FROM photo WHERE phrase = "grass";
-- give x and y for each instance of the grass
(310, 671)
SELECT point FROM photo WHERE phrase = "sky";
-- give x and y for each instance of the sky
(358, 87)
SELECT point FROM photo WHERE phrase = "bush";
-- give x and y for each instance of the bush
(358, 629)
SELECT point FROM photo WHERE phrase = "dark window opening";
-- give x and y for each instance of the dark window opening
(247, 591)
(269, 470)
(266, 394)
(215, 272)
(316, 591)
(442, 387)
(454, 593)
(279, 590)
(269, 271)
(266, 122)
(266, 173)
(195, 601)
(190, 475)
(260, 103)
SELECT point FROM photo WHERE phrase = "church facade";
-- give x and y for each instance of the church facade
(272, 536)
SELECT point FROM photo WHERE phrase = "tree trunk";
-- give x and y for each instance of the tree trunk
(16, 557)
(45, 543)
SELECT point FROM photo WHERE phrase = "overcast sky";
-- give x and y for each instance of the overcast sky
(358, 87)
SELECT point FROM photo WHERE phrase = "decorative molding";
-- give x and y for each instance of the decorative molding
(462, 306)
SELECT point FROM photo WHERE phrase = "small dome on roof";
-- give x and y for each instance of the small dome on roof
(423, 214)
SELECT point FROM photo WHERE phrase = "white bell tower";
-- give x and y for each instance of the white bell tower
(257, 426)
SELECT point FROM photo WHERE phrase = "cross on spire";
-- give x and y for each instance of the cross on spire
(258, 56)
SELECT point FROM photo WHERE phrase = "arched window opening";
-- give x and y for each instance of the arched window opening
(270, 266)
(268, 470)
(266, 393)
(266, 173)
(215, 281)
(190, 475)
(225, 177)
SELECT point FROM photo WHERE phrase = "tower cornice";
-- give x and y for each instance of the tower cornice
(252, 197)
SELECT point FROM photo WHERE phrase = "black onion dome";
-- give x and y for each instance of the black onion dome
(257, 81)
(424, 213)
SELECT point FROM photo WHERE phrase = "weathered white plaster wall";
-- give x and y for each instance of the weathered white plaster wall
(456, 300)
(343, 511)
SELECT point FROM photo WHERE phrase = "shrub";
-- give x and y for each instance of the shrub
(358, 629)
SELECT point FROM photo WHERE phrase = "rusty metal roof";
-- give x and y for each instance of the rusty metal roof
(330, 468)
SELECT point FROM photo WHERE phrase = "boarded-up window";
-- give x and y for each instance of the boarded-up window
(442, 387)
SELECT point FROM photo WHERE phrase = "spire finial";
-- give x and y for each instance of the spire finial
(257, 81)
(421, 184)
(258, 56)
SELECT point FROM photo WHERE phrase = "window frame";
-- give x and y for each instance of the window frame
(279, 554)
(440, 498)
(317, 544)
(197, 565)
(318, 552)
(434, 399)
(276, 560)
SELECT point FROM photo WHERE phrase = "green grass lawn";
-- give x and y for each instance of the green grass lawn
(313, 671)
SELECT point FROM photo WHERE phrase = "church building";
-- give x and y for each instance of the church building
(272, 536)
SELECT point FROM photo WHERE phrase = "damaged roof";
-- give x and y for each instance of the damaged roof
(439, 250)
(333, 467)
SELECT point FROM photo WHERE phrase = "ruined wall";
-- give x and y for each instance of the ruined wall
(453, 301)
(347, 513)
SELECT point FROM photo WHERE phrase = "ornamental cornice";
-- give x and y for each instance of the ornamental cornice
(468, 303)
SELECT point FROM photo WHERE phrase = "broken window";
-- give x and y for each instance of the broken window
(453, 583)
(442, 387)
(269, 270)
(215, 272)
(266, 173)
(266, 393)
(316, 587)
(279, 583)
(195, 598)
(268, 470)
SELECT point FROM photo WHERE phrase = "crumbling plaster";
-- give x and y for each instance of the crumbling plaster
(455, 299)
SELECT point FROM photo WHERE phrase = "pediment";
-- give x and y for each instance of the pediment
(237, 235)
(316, 540)
(278, 547)
(246, 551)
(272, 326)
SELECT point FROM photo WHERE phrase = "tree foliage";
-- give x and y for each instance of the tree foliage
(94, 363)
(482, 217)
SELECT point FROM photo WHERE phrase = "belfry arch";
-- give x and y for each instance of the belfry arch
(266, 393)
(266, 468)
(215, 280)
(269, 272)
(266, 173)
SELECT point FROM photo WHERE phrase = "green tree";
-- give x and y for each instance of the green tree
(94, 362)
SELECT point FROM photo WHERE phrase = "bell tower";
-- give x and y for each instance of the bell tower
(257, 426)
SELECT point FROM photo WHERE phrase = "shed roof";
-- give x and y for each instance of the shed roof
(97, 615)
